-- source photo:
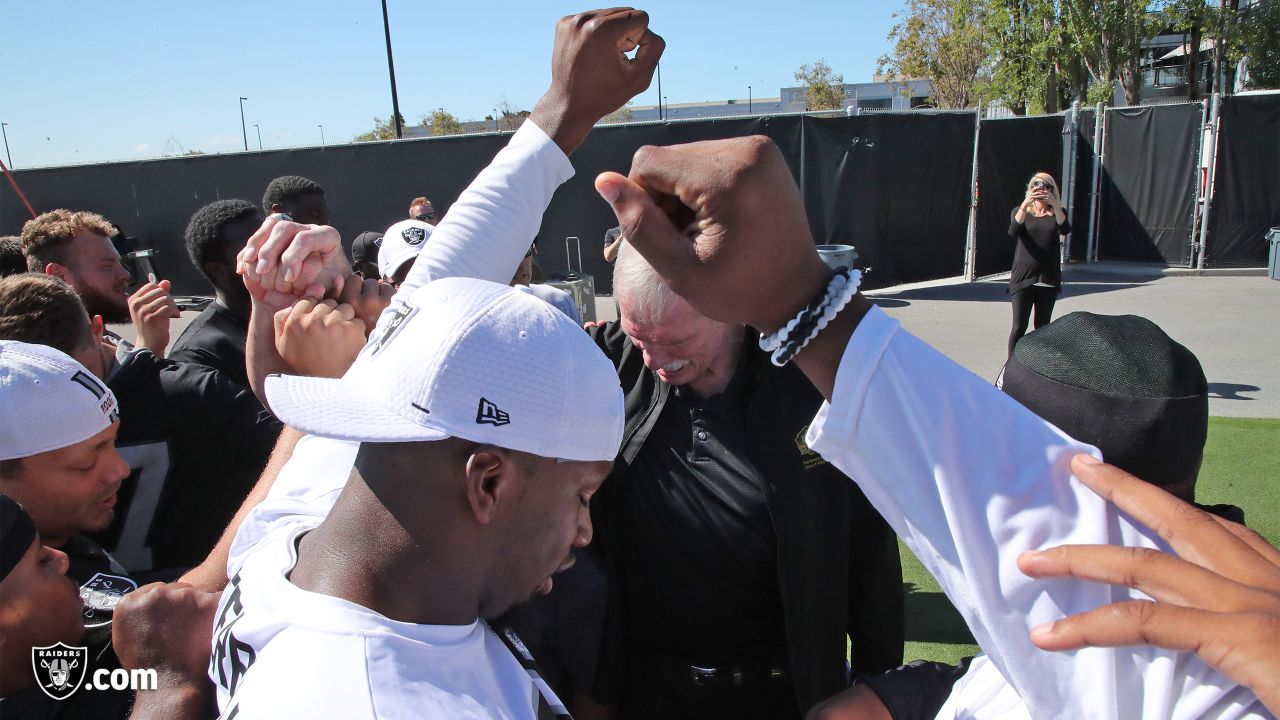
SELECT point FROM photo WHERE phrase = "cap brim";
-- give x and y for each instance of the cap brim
(337, 409)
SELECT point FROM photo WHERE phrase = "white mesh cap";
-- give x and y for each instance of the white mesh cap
(469, 359)
(48, 401)
(401, 243)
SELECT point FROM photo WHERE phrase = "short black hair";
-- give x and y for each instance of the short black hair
(286, 187)
(12, 261)
(204, 232)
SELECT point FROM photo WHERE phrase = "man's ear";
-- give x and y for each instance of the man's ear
(492, 477)
(97, 327)
(215, 269)
(275, 208)
(58, 270)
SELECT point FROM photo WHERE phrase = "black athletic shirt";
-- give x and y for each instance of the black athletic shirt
(216, 339)
(1036, 254)
(197, 442)
(700, 554)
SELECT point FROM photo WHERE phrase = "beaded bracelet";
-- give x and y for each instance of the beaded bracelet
(813, 319)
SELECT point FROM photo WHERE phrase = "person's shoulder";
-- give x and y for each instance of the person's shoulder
(305, 673)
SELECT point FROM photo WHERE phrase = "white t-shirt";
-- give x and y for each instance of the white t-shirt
(969, 478)
(281, 652)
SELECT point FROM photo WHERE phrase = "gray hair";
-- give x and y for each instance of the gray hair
(635, 279)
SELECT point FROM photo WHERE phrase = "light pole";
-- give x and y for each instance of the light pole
(244, 130)
(391, 70)
(6, 143)
(255, 127)
(321, 135)
(660, 91)
(667, 102)
(495, 120)
(748, 99)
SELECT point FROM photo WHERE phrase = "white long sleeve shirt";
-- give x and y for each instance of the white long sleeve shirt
(969, 479)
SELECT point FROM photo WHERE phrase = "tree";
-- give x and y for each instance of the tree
(1194, 19)
(1109, 34)
(1260, 38)
(623, 114)
(442, 122)
(942, 41)
(824, 90)
(382, 130)
(1021, 36)
(509, 118)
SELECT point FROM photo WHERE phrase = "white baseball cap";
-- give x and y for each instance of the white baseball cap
(48, 401)
(469, 359)
(401, 243)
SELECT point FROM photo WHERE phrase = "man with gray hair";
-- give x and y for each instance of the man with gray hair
(779, 558)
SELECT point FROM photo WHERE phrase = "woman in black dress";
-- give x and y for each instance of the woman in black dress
(1037, 271)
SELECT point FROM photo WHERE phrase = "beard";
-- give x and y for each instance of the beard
(113, 308)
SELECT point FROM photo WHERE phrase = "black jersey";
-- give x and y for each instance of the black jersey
(197, 442)
(215, 338)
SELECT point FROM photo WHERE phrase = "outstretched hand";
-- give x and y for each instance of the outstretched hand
(1219, 597)
(284, 261)
(723, 223)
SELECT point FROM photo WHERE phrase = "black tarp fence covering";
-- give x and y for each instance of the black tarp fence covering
(894, 185)
(1149, 183)
(1010, 151)
(1246, 201)
(1081, 201)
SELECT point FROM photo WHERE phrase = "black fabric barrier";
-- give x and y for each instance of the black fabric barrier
(1246, 201)
(1080, 202)
(1149, 184)
(894, 186)
(898, 193)
(1010, 151)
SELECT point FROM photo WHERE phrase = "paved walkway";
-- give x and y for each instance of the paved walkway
(1232, 324)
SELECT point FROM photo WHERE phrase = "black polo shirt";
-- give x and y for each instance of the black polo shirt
(699, 550)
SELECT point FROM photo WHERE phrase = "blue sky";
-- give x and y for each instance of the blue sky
(97, 81)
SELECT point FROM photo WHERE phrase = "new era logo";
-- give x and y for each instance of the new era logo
(413, 236)
(489, 414)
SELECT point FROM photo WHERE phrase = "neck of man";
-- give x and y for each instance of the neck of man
(363, 553)
(720, 374)
(237, 305)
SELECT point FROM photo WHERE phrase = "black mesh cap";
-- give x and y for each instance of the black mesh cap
(1121, 384)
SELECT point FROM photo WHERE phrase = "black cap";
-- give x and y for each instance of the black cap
(17, 531)
(364, 249)
(1120, 384)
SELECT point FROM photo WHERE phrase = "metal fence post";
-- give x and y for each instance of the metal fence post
(1099, 139)
(1068, 177)
(1214, 130)
(971, 233)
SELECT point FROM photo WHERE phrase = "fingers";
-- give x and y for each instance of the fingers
(646, 60)
(1160, 575)
(1138, 622)
(648, 228)
(1191, 532)
(1252, 539)
(248, 257)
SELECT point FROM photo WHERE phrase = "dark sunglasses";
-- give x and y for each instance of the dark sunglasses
(425, 216)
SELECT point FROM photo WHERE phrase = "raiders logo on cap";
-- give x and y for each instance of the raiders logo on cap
(413, 235)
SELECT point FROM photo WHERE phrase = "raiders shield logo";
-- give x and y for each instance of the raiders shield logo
(59, 669)
(402, 314)
(413, 236)
(101, 594)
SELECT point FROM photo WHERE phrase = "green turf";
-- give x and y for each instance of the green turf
(1241, 467)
